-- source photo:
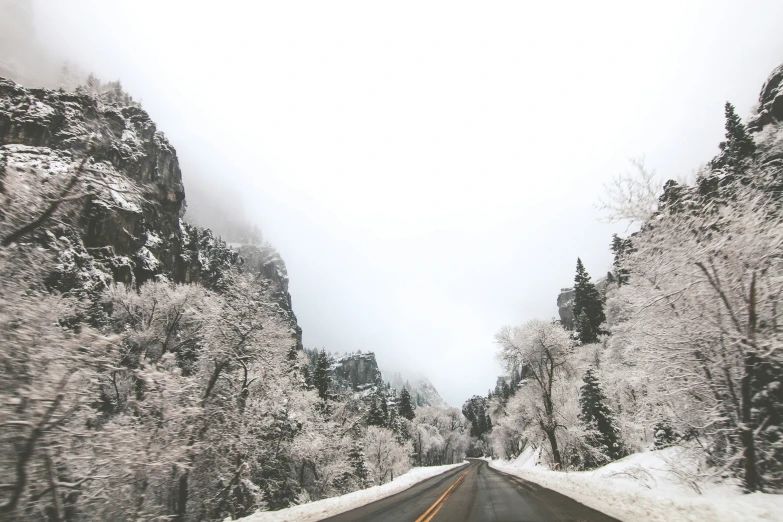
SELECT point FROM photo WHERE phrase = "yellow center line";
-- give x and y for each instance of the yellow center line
(427, 516)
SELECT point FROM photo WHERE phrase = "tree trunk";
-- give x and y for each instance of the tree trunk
(182, 497)
(555, 450)
(749, 455)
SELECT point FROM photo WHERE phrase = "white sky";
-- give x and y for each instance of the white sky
(428, 170)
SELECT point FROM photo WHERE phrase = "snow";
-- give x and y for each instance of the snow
(153, 240)
(147, 259)
(124, 203)
(640, 488)
(329, 507)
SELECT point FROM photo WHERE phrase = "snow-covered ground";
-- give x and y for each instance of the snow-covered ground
(640, 488)
(329, 507)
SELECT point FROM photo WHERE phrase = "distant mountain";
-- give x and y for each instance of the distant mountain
(422, 391)
(360, 372)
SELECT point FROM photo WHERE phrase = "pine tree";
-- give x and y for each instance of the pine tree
(620, 247)
(475, 410)
(664, 435)
(505, 390)
(598, 418)
(405, 407)
(739, 145)
(358, 464)
(376, 416)
(588, 306)
(322, 377)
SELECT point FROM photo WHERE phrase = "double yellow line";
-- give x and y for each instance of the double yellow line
(427, 516)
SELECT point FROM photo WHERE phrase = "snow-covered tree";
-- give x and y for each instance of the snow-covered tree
(49, 374)
(703, 302)
(544, 349)
(386, 457)
(598, 418)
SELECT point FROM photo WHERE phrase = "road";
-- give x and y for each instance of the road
(474, 493)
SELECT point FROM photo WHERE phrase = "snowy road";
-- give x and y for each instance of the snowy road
(475, 493)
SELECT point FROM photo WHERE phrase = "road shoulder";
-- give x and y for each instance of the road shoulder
(329, 507)
(628, 501)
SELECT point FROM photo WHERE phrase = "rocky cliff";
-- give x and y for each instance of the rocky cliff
(359, 371)
(767, 124)
(126, 224)
(565, 307)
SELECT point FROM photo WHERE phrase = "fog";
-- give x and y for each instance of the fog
(428, 171)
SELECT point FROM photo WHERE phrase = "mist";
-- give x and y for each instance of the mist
(428, 173)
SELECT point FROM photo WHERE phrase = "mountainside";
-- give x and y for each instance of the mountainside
(137, 343)
(360, 372)
(423, 393)
(126, 181)
(677, 349)
(766, 126)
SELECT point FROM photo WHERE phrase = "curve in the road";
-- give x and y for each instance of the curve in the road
(475, 493)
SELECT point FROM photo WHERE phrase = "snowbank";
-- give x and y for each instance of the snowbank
(330, 507)
(640, 488)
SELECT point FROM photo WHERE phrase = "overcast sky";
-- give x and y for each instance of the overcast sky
(429, 171)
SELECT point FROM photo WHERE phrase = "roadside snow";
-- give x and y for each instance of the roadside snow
(640, 488)
(330, 507)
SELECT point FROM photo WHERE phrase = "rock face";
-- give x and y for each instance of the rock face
(129, 229)
(565, 307)
(770, 108)
(266, 261)
(359, 371)
(135, 182)
(767, 124)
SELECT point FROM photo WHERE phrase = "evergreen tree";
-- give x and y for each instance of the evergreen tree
(376, 416)
(731, 162)
(405, 406)
(588, 306)
(664, 435)
(620, 247)
(322, 377)
(505, 390)
(739, 145)
(599, 420)
(475, 410)
(358, 464)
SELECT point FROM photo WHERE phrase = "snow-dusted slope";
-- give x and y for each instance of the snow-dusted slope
(422, 391)
(641, 488)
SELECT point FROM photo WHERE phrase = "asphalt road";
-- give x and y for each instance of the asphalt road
(475, 493)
